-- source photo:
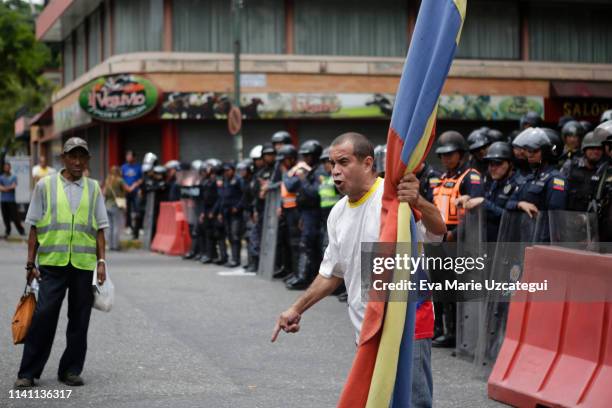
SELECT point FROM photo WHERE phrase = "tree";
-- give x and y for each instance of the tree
(22, 60)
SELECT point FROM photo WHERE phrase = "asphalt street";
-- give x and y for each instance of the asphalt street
(182, 335)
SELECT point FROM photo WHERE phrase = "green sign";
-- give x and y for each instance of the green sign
(118, 98)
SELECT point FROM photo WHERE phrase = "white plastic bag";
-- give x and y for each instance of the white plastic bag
(104, 295)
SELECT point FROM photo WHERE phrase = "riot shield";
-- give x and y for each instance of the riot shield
(471, 243)
(574, 229)
(517, 231)
(269, 233)
(148, 222)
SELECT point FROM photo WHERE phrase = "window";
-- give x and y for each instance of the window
(206, 26)
(489, 33)
(138, 26)
(359, 27)
(572, 33)
(93, 47)
(79, 50)
(67, 60)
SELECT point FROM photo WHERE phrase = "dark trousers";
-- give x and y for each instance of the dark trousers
(54, 282)
(133, 213)
(10, 214)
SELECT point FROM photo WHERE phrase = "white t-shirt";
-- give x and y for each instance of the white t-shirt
(349, 224)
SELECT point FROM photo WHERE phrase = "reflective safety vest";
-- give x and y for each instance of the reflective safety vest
(444, 197)
(64, 237)
(327, 192)
(289, 200)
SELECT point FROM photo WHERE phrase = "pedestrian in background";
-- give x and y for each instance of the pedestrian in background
(114, 191)
(8, 184)
(41, 169)
(132, 175)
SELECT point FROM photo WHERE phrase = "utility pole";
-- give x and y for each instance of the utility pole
(237, 5)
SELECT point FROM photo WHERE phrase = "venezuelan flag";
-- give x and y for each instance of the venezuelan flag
(381, 375)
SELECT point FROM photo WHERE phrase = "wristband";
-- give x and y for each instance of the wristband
(101, 260)
(30, 266)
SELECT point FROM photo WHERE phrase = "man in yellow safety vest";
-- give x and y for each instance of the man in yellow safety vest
(67, 218)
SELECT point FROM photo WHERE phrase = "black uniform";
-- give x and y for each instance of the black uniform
(210, 196)
(580, 179)
(496, 198)
(230, 207)
(429, 178)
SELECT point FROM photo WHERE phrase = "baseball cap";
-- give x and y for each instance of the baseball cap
(75, 142)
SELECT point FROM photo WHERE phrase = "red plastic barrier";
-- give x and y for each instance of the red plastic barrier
(172, 235)
(558, 353)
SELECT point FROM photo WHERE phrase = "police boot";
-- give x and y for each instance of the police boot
(448, 339)
(254, 265)
(301, 280)
(189, 255)
(235, 261)
(222, 258)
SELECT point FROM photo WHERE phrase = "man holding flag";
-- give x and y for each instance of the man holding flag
(355, 219)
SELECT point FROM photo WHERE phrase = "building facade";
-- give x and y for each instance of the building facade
(157, 75)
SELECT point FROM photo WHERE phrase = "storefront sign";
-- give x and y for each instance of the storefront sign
(118, 98)
(580, 108)
(274, 105)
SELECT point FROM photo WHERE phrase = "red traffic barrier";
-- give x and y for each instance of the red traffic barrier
(172, 235)
(557, 350)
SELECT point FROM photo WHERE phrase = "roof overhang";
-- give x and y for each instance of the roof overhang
(60, 17)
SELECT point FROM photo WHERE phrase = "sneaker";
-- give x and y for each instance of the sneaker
(71, 379)
(24, 383)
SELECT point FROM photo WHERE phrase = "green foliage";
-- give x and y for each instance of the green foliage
(22, 60)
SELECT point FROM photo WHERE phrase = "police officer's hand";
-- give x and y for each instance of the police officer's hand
(234, 210)
(220, 217)
(408, 189)
(201, 217)
(288, 321)
(32, 273)
(473, 203)
(101, 269)
(529, 208)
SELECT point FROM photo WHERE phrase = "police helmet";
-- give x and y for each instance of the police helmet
(591, 140)
(495, 135)
(325, 154)
(604, 132)
(216, 166)
(563, 120)
(159, 169)
(586, 125)
(572, 128)
(245, 165)
(535, 139)
(230, 165)
(477, 140)
(256, 152)
(556, 143)
(173, 164)
(287, 151)
(197, 165)
(380, 157)
(147, 167)
(499, 151)
(606, 116)
(150, 158)
(282, 136)
(451, 141)
(312, 147)
(267, 148)
(531, 118)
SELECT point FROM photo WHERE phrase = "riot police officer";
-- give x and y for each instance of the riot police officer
(530, 119)
(329, 196)
(572, 134)
(478, 142)
(288, 228)
(210, 197)
(495, 135)
(230, 211)
(504, 182)
(602, 186)
(458, 183)
(304, 180)
(580, 171)
(545, 188)
(429, 179)
(256, 155)
(245, 172)
(279, 139)
(192, 194)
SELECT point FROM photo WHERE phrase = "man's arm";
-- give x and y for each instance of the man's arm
(31, 271)
(100, 252)
(289, 320)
